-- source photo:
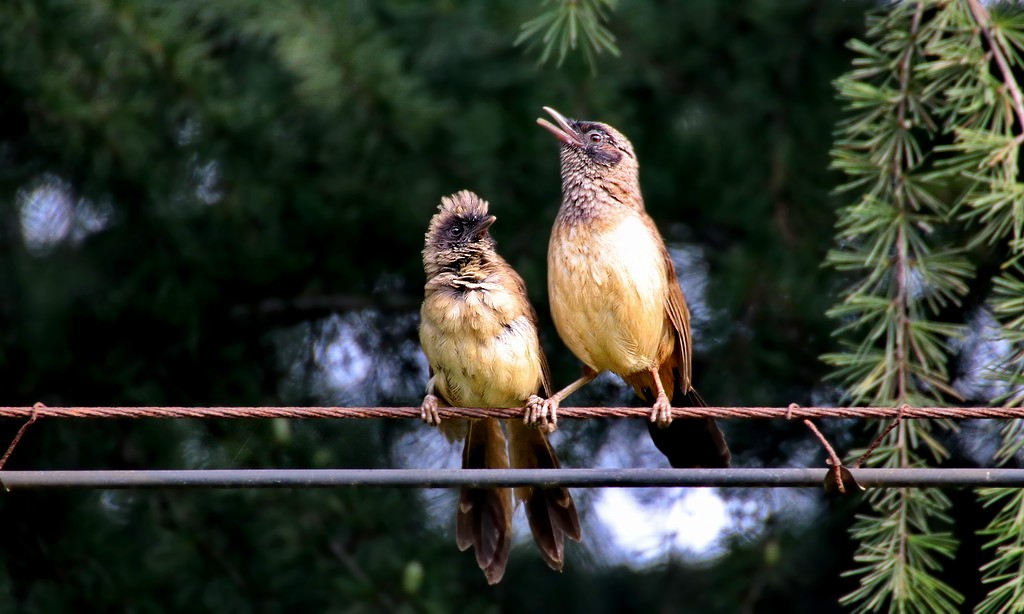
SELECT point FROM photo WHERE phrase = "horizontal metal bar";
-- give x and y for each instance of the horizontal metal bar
(432, 478)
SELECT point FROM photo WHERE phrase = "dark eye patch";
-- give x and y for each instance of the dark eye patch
(606, 151)
(605, 155)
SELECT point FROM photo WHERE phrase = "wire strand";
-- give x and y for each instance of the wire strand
(792, 412)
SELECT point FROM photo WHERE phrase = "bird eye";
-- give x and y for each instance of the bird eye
(595, 136)
(455, 231)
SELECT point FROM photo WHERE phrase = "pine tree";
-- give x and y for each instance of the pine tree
(932, 141)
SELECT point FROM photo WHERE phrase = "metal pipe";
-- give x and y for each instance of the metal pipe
(447, 478)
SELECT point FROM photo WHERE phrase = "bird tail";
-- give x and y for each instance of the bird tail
(687, 442)
(550, 510)
(484, 515)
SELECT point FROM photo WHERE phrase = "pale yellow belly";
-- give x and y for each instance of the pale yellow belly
(481, 362)
(607, 294)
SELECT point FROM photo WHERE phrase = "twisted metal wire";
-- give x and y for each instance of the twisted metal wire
(270, 478)
(791, 412)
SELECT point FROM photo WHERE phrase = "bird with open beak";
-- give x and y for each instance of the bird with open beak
(614, 295)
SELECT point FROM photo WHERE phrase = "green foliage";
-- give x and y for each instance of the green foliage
(1006, 533)
(985, 110)
(570, 23)
(891, 239)
(949, 68)
(985, 113)
(1007, 304)
(224, 203)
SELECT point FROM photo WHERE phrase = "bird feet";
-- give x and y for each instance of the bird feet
(428, 410)
(538, 411)
(661, 413)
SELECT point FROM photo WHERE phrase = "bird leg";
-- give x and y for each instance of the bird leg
(538, 409)
(534, 409)
(428, 411)
(661, 412)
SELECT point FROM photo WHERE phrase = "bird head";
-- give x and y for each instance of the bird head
(458, 232)
(591, 150)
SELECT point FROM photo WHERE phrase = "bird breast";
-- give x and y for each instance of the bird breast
(481, 344)
(607, 284)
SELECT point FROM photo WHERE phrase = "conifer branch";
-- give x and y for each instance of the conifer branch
(567, 25)
(999, 53)
(986, 151)
(900, 356)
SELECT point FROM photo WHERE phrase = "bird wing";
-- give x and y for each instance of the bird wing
(696, 442)
(679, 316)
(545, 370)
(531, 315)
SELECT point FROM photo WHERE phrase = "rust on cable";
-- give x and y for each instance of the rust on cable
(24, 427)
(789, 413)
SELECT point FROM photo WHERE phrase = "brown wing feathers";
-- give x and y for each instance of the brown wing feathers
(687, 442)
(550, 511)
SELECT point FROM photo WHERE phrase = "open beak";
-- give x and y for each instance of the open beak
(563, 131)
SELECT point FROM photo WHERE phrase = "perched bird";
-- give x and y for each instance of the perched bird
(479, 333)
(615, 299)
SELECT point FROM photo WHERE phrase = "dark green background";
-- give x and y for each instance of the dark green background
(224, 204)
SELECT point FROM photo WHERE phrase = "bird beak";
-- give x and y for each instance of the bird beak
(484, 224)
(563, 131)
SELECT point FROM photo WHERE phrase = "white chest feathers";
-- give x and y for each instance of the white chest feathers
(607, 287)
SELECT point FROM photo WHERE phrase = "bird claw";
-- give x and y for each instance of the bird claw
(428, 411)
(661, 412)
(538, 411)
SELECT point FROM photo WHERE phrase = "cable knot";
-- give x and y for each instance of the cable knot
(21, 431)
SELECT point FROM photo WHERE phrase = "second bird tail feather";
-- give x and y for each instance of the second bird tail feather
(550, 511)
(484, 515)
(691, 442)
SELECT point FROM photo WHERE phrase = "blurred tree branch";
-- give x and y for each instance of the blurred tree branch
(568, 24)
